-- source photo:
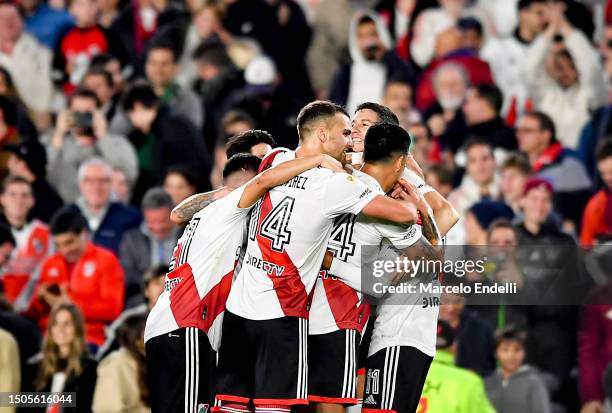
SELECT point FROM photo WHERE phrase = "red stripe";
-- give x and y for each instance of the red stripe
(266, 162)
(284, 402)
(230, 398)
(349, 311)
(361, 371)
(289, 288)
(336, 400)
(214, 301)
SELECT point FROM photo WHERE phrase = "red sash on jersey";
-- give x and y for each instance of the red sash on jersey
(349, 310)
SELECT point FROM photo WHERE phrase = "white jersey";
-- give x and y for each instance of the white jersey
(288, 234)
(201, 271)
(411, 323)
(337, 301)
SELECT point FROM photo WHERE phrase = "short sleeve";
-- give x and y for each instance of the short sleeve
(400, 236)
(343, 193)
(417, 181)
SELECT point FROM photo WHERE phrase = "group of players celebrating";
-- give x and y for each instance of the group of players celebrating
(263, 308)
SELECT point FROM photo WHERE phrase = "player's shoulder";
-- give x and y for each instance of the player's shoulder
(274, 157)
(368, 181)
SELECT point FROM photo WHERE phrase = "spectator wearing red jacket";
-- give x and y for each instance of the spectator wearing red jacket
(88, 275)
(597, 218)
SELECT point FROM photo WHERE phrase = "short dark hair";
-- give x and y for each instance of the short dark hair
(101, 60)
(163, 45)
(98, 71)
(316, 111)
(365, 19)
(185, 171)
(445, 177)
(67, 219)
(501, 223)
(383, 141)
(140, 92)
(212, 52)
(156, 197)
(6, 235)
(470, 23)
(241, 162)
(545, 123)
(385, 115)
(9, 114)
(510, 333)
(477, 141)
(243, 142)
(490, 94)
(153, 272)
(524, 4)
(518, 161)
(12, 179)
(604, 150)
(86, 94)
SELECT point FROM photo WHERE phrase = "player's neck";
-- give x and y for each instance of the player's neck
(379, 173)
(307, 150)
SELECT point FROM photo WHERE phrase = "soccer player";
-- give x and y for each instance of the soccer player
(263, 355)
(403, 338)
(180, 357)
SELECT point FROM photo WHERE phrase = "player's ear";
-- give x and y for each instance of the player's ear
(400, 163)
(321, 133)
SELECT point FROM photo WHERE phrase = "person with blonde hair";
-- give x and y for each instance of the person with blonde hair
(66, 365)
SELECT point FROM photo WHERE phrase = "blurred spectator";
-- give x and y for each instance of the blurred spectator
(180, 183)
(81, 133)
(28, 62)
(373, 62)
(10, 372)
(66, 365)
(25, 127)
(140, 20)
(506, 55)
(480, 181)
(162, 140)
(439, 178)
(161, 69)
(478, 218)
(33, 241)
(205, 28)
(233, 123)
(400, 17)
(474, 345)
(330, 41)
(450, 48)
(45, 23)
(265, 98)
(150, 245)
(121, 190)
(217, 78)
(449, 388)
(107, 220)
(431, 23)
(482, 109)
(597, 217)
(398, 98)
(28, 160)
(445, 118)
(122, 376)
(564, 78)
(471, 32)
(153, 283)
(109, 11)
(550, 160)
(88, 275)
(101, 83)
(75, 48)
(515, 387)
(8, 132)
(109, 63)
(515, 170)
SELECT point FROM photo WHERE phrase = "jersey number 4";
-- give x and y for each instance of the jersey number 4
(275, 223)
(340, 241)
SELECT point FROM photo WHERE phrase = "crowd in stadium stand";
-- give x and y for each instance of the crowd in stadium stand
(114, 111)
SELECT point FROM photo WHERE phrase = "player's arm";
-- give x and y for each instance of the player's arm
(445, 215)
(401, 210)
(282, 173)
(183, 212)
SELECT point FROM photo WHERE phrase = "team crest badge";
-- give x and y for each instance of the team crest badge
(89, 268)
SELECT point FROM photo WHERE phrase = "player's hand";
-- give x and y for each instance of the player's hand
(413, 195)
(412, 164)
(330, 163)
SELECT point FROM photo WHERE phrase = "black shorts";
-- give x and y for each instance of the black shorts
(364, 345)
(394, 380)
(332, 367)
(181, 371)
(263, 361)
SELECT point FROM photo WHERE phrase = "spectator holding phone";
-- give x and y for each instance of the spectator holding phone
(81, 133)
(81, 272)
